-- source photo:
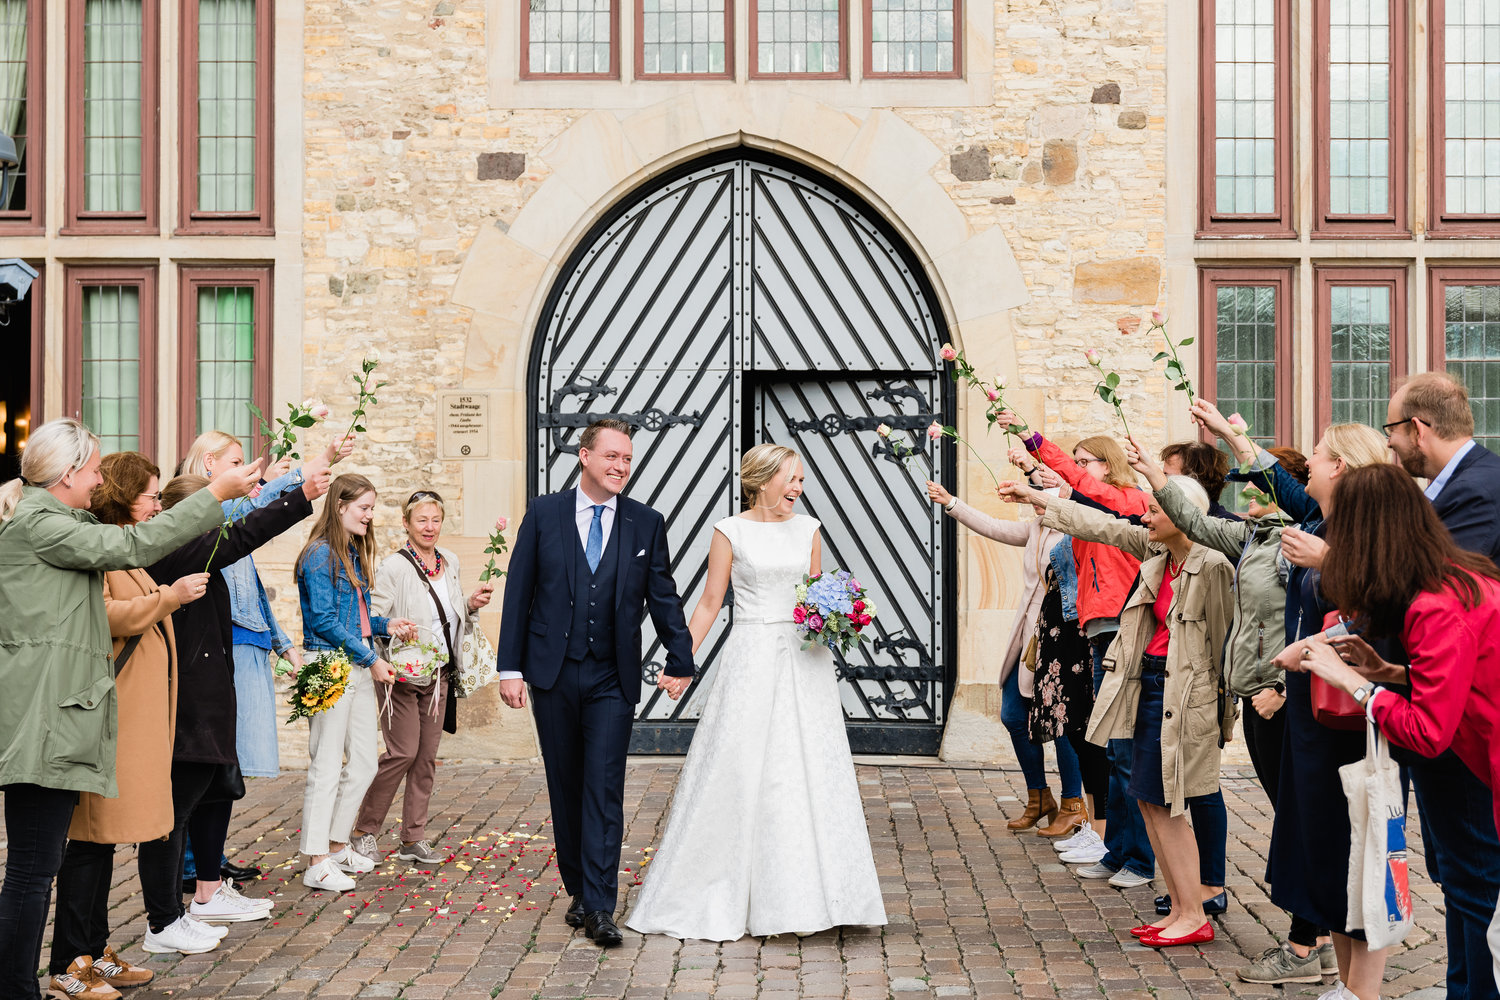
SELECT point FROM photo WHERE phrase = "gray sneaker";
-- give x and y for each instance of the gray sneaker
(1328, 959)
(1282, 965)
(1095, 870)
(420, 852)
(366, 845)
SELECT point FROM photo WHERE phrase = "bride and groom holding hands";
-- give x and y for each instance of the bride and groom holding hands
(767, 833)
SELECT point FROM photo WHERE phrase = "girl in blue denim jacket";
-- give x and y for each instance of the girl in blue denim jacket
(333, 582)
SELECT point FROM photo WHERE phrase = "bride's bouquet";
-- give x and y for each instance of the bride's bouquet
(319, 685)
(832, 610)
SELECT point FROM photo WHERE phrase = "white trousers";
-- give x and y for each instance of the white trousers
(1494, 939)
(343, 762)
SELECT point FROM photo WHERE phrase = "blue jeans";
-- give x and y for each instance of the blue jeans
(1033, 756)
(1125, 838)
(255, 712)
(1463, 854)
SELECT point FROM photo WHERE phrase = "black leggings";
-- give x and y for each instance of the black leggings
(1093, 762)
(161, 860)
(36, 825)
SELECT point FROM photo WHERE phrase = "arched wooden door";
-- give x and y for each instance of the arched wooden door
(742, 299)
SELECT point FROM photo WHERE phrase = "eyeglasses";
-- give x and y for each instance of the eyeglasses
(1386, 428)
(153, 497)
(1086, 461)
(429, 494)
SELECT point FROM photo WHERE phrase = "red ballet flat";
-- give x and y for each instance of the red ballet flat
(1143, 930)
(1202, 935)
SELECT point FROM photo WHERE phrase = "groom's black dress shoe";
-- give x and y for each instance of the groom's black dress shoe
(600, 926)
(231, 872)
(574, 916)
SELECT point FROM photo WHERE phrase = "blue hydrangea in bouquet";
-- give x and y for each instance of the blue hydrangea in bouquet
(832, 610)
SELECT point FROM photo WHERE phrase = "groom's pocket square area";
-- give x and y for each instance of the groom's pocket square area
(640, 553)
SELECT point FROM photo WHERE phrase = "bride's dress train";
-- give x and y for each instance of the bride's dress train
(767, 833)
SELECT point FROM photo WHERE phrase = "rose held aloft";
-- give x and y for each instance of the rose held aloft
(947, 352)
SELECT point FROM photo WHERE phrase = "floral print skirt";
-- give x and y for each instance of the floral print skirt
(1064, 694)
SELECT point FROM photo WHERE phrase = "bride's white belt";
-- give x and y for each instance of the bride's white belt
(747, 620)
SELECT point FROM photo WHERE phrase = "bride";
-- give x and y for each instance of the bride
(767, 834)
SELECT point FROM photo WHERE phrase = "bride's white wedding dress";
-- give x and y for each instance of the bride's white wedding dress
(767, 834)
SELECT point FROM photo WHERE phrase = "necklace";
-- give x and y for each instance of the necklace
(433, 573)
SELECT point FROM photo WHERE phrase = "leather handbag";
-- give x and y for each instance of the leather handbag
(1331, 706)
(227, 784)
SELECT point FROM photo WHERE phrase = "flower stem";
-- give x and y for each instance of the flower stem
(977, 457)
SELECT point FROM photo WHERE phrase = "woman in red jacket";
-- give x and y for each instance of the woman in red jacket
(1101, 477)
(1393, 567)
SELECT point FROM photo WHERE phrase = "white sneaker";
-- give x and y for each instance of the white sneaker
(228, 906)
(1339, 992)
(1078, 838)
(326, 875)
(182, 935)
(1127, 879)
(352, 861)
(213, 930)
(1095, 870)
(1087, 854)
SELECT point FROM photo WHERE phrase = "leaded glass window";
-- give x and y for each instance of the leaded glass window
(798, 37)
(111, 402)
(1245, 374)
(1360, 318)
(225, 331)
(112, 111)
(226, 105)
(1471, 345)
(1471, 107)
(1359, 97)
(683, 37)
(1245, 107)
(570, 37)
(15, 29)
(912, 37)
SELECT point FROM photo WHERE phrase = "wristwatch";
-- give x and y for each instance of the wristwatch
(1363, 692)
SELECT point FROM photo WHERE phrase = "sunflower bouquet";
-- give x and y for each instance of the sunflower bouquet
(319, 685)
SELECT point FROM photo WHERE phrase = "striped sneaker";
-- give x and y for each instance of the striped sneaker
(81, 982)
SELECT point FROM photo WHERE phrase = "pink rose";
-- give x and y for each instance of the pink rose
(815, 623)
(934, 430)
(1091, 356)
(1158, 317)
(858, 606)
(948, 352)
(1237, 423)
(254, 492)
(884, 430)
(799, 614)
(501, 524)
(993, 395)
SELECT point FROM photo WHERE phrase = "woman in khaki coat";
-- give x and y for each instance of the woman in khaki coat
(139, 612)
(1164, 684)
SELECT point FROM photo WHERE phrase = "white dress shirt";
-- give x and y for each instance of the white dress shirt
(584, 516)
(1441, 479)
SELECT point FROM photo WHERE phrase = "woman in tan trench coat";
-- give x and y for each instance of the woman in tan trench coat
(140, 615)
(1164, 683)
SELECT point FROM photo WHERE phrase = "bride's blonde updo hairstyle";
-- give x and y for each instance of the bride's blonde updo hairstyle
(759, 467)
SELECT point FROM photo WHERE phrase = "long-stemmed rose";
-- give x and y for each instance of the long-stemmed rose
(993, 390)
(366, 391)
(1108, 386)
(282, 440)
(902, 451)
(937, 431)
(1175, 371)
(229, 519)
(497, 546)
(1241, 426)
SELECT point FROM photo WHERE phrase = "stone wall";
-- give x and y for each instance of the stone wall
(406, 162)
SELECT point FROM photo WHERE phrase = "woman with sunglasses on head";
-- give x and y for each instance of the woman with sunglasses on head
(421, 582)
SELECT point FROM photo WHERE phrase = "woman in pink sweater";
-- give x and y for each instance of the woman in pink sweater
(1394, 568)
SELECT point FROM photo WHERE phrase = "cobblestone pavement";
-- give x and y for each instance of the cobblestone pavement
(975, 910)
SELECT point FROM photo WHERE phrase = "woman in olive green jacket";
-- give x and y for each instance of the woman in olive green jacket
(57, 718)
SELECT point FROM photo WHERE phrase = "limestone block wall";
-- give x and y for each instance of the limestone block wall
(435, 222)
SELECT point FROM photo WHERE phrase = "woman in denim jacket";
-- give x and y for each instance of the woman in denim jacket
(334, 573)
(256, 632)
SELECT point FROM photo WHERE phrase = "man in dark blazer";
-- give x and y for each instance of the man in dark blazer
(586, 563)
(1431, 429)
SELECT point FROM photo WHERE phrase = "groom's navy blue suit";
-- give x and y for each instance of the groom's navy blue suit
(575, 636)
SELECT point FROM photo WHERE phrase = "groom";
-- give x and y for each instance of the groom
(586, 562)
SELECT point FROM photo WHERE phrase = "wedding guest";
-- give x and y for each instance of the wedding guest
(1098, 472)
(1164, 687)
(1016, 678)
(333, 583)
(139, 612)
(1206, 465)
(205, 769)
(1309, 856)
(57, 726)
(420, 582)
(1431, 429)
(1396, 570)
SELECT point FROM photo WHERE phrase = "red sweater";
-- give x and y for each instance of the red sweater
(1105, 574)
(1455, 683)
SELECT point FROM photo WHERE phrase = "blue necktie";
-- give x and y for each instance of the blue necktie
(595, 548)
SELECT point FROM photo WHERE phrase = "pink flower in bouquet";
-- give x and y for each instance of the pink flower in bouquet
(1091, 356)
(815, 623)
(799, 614)
(1158, 317)
(859, 607)
(854, 584)
(934, 430)
(1238, 423)
(948, 352)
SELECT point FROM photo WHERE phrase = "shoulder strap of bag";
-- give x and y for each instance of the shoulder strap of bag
(129, 648)
(442, 615)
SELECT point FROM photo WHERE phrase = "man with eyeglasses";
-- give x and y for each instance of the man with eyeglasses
(1430, 427)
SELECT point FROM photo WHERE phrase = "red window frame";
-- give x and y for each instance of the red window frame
(1277, 225)
(640, 49)
(868, 14)
(1394, 221)
(190, 279)
(1210, 279)
(527, 73)
(259, 220)
(30, 221)
(754, 57)
(76, 220)
(142, 277)
(1325, 279)
(1442, 223)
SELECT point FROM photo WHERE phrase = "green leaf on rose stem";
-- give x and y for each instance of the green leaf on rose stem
(950, 430)
(1161, 356)
(1184, 343)
(1112, 380)
(1182, 386)
(305, 421)
(359, 428)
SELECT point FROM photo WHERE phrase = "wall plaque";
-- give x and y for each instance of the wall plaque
(464, 424)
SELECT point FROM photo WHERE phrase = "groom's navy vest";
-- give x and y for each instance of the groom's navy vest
(593, 629)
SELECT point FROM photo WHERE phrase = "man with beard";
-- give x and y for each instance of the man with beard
(1431, 429)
